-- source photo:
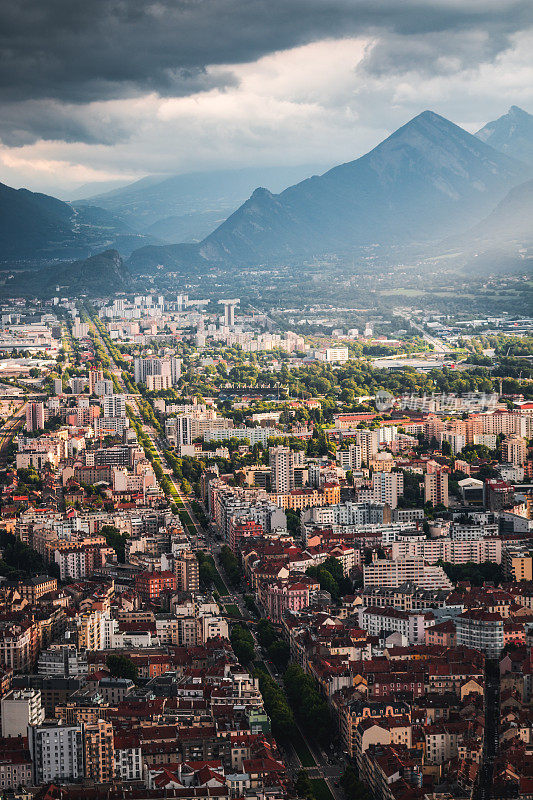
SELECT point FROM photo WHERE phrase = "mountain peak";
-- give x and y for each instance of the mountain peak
(518, 111)
(511, 133)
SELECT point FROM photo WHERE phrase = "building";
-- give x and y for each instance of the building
(333, 355)
(63, 661)
(114, 405)
(498, 494)
(387, 573)
(514, 450)
(387, 487)
(99, 752)
(281, 460)
(57, 752)
(436, 488)
(482, 630)
(187, 572)
(158, 383)
(151, 584)
(34, 417)
(20, 708)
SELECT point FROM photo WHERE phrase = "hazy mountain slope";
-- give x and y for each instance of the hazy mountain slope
(182, 207)
(31, 223)
(511, 220)
(512, 134)
(427, 180)
(35, 228)
(103, 273)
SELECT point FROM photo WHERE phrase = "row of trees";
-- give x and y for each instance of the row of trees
(309, 704)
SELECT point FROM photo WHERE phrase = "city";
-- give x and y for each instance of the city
(266, 400)
(279, 588)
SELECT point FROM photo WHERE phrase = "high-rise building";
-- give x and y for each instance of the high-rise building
(99, 752)
(387, 487)
(58, 386)
(114, 405)
(514, 450)
(187, 572)
(229, 312)
(34, 417)
(20, 708)
(368, 441)
(57, 752)
(95, 376)
(436, 488)
(142, 367)
(104, 387)
(183, 430)
(281, 460)
(175, 369)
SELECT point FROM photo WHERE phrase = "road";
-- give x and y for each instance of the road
(483, 788)
(8, 430)
(439, 347)
(329, 767)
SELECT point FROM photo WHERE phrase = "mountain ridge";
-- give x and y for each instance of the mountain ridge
(422, 183)
(512, 134)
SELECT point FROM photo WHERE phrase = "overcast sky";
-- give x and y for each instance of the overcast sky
(117, 89)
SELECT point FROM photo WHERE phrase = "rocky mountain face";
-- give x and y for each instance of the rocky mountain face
(511, 134)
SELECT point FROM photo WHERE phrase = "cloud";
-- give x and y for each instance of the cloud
(75, 51)
(131, 87)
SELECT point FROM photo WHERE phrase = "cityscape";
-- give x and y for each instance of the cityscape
(266, 401)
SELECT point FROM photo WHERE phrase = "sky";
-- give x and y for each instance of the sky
(112, 90)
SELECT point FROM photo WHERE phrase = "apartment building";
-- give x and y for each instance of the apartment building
(57, 752)
(20, 708)
(436, 488)
(99, 752)
(383, 572)
(281, 461)
(482, 630)
(187, 572)
(387, 487)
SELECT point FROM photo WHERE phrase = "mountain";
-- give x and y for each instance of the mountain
(512, 219)
(511, 134)
(187, 207)
(427, 180)
(503, 241)
(104, 273)
(37, 228)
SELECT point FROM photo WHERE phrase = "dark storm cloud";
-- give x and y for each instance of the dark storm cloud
(80, 51)
(91, 50)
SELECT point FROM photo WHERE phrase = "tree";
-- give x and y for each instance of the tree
(243, 644)
(115, 539)
(303, 786)
(121, 667)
